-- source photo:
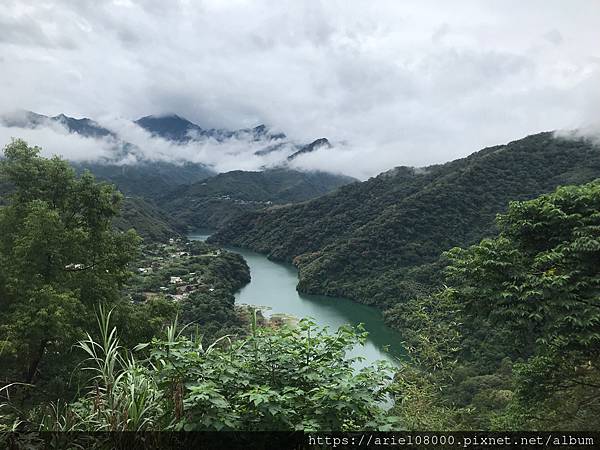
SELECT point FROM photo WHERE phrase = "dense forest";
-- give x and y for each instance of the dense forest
(101, 331)
(513, 339)
(216, 201)
(149, 221)
(163, 199)
(147, 179)
(380, 241)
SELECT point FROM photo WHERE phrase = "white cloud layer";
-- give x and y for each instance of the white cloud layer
(403, 83)
(55, 139)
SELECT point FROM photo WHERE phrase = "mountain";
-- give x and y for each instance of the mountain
(309, 148)
(84, 127)
(379, 241)
(125, 167)
(150, 222)
(135, 174)
(179, 129)
(170, 127)
(217, 200)
(149, 179)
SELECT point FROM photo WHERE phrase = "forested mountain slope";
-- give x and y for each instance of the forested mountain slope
(512, 340)
(367, 240)
(215, 201)
(148, 179)
(150, 222)
(163, 178)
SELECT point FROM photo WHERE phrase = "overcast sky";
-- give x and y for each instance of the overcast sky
(401, 83)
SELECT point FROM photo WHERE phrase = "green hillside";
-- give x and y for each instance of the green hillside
(150, 222)
(147, 179)
(217, 200)
(373, 241)
(512, 339)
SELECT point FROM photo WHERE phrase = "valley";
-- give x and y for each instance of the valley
(379, 242)
(308, 224)
(218, 200)
(272, 289)
(391, 263)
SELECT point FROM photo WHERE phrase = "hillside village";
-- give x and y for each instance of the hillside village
(175, 270)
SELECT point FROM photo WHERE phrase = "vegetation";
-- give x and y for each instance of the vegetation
(59, 257)
(215, 201)
(62, 262)
(284, 379)
(147, 179)
(509, 341)
(151, 223)
(379, 241)
(513, 341)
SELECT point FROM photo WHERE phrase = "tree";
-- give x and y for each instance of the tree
(541, 276)
(275, 379)
(59, 259)
(520, 317)
(540, 279)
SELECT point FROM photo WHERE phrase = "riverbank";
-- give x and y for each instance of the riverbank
(273, 290)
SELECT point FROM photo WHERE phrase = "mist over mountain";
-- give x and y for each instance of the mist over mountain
(176, 128)
(376, 241)
(216, 201)
(165, 139)
(148, 179)
(28, 119)
(309, 148)
(167, 161)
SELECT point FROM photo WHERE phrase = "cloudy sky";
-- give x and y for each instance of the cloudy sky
(400, 83)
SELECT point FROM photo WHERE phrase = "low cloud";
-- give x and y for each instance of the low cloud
(232, 154)
(358, 162)
(402, 83)
(133, 144)
(55, 139)
(589, 132)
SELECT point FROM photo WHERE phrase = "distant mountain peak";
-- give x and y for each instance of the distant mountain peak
(162, 117)
(85, 127)
(176, 128)
(320, 143)
(23, 118)
(28, 119)
(169, 126)
(309, 148)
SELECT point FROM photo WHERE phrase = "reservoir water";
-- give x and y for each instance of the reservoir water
(273, 289)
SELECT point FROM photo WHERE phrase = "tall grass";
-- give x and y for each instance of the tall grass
(7, 410)
(121, 396)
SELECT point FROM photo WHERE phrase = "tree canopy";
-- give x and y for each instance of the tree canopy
(60, 257)
(379, 241)
(290, 378)
(515, 337)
